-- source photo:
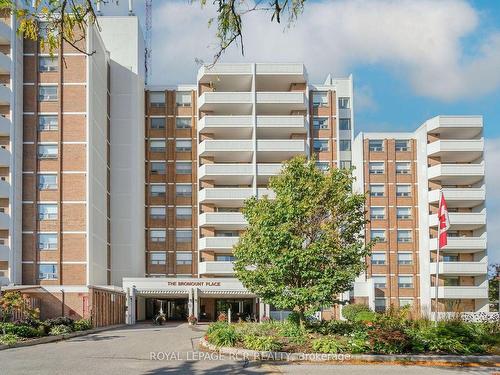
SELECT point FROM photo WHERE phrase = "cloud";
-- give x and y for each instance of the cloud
(492, 156)
(365, 100)
(420, 41)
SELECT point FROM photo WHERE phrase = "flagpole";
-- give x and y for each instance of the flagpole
(436, 281)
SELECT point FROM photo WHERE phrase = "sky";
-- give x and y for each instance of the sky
(410, 60)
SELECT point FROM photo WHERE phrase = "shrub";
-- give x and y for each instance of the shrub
(59, 330)
(82, 325)
(21, 330)
(330, 345)
(261, 343)
(365, 317)
(222, 317)
(296, 333)
(222, 334)
(388, 341)
(358, 343)
(8, 339)
(350, 312)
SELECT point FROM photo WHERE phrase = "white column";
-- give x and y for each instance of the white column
(190, 302)
(130, 314)
(196, 307)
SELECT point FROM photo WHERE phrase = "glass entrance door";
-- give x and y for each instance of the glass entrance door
(240, 308)
(174, 309)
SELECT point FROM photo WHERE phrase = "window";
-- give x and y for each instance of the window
(320, 123)
(376, 145)
(380, 304)
(183, 122)
(405, 259)
(345, 164)
(376, 167)
(227, 233)
(47, 211)
(345, 145)
(323, 166)
(157, 235)
(47, 122)
(345, 124)
(404, 235)
(158, 258)
(405, 281)
(377, 190)
(47, 181)
(157, 146)
(183, 213)
(183, 98)
(158, 190)
(47, 271)
(450, 258)
(378, 258)
(47, 151)
(158, 123)
(157, 213)
(183, 167)
(224, 258)
(184, 258)
(183, 190)
(320, 145)
(451, 281)
(405, 302)
(183, 235)
(183, 146)
(157, 99)
(344, 103)
(47, 93)
(403, 190)
(158, 167)
(377, 213)
(402, 145)
(403, 213)
(379, 281)
(377, 235)
(320, 99)
(47, 64)
(47, 241)
(403, 167)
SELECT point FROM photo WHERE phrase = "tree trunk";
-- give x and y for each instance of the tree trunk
(302, 317)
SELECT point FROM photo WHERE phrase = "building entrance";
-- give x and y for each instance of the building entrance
(174, 309)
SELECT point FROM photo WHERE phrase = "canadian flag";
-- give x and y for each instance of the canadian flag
(444, 222)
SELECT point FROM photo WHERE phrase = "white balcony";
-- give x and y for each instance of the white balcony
(459, 197)
(461, 244)
(230, 197)
(4, 157)
(458, 292)
(227, 150)
(215, 268)
(223, 220)
(462, 220)
(280, 126)
(4, 126)
(225, 69)
(454, 127)
(264, 169)
(295, 69)
(4, 220)
(4, 94)
(456, 174)
(238, 103)
(5, 33)
(221, 244)
(225, 174)
(226, 127)
(460, 268)
(277, 150)
(4, 63)
(280, 102)
(4, 189)
(4, 253)
(456, 150)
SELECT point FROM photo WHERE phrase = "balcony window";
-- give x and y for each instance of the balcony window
(157, 213)
(183, 145)
(377, 190)
(47, 271)
(378, 259)
(47, 93)
(376, 145)
(183, 213)
(403, 213)
(404, 235)
(377, 213)
(376, 167)
(157, 99)
(403, 190)
(227, 233)
(323, 166)
(47, 123)
(345, 164)
(184, 258)
(320, 99)
(224, 258)
(47, 151)
(320, 123)
(345, 124)
(380, 305)
(403, 167)
(183, 98)
(405, 282)
(158, 190)
(183, 190)
(377, 235)
(157, 235)
(183, 167)
(450, 258)
(320, 145)
(345, 145)
(402, 145)
(158, 258)
(405, 259)
(47, 211)
(47, 181)
(158, 123)
(379, 281)
(344, 103)
(183, 235)
(47, 64)
(451, 281)
(157, 146)
(405, 302)
(47, 241)
(183, 122)
(158, 168)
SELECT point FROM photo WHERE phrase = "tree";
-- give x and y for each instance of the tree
(306, 246)
(493, 290)
(14, 301)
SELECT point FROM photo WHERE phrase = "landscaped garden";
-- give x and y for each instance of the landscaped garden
(363, 332)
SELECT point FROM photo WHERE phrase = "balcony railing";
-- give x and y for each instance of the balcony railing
(216, 268)
(457, 292)
(461, 243)
(460, 268)
(217, 243)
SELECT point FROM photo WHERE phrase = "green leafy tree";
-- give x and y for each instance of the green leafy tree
(14, 301)
(306, 246)
(493, 290)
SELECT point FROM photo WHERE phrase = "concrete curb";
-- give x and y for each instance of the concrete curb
(47, 339)
(346, 358)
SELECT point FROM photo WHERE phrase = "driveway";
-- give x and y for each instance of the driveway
(169, 349)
